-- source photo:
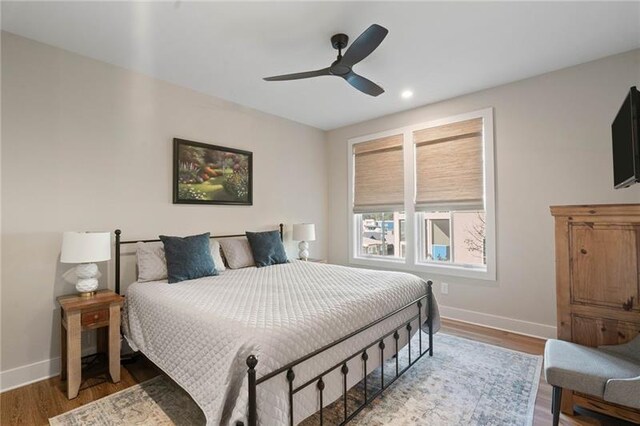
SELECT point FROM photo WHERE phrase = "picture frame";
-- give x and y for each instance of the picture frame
(211, 174)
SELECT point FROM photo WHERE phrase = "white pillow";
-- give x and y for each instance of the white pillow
(216, 255)
(152, 264)
(237, 252)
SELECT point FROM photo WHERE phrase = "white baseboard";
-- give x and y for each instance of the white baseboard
(31, 373)
(26, 374)
(527, 328)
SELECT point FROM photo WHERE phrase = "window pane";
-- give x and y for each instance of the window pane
(470, 240)
(440, 245)
(454, 237)
(382, 234)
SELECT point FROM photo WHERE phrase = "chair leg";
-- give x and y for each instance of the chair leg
(556, 399)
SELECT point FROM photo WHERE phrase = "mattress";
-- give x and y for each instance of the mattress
(200, 332)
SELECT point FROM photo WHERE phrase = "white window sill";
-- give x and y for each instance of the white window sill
(475, 272)
(394, 262)
(478, 273)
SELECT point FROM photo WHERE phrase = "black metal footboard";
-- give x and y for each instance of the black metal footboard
(252, 362)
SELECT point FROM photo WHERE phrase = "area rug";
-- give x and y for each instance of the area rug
(464, 383)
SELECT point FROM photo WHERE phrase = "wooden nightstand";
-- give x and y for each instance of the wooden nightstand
(101, 312)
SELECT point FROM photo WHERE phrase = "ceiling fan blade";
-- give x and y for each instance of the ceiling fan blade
(362, 84)
(299, 75)
(366, 43)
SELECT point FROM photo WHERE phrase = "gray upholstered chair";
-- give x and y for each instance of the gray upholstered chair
(609, 372)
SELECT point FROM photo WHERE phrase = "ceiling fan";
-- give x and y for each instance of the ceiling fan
(366, 43)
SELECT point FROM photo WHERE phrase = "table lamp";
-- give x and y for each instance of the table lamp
(86, 248)
(304, 232)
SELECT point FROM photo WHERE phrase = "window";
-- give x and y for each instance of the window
(378, 201)
(422, 197)
(454, 238)
(449, 179)
(381, 234)
(438, 237)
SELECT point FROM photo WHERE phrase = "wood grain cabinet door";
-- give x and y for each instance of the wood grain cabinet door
(590, 331)
(604, 265)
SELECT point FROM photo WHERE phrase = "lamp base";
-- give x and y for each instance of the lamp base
(87, 294)
(303, 254)
(87, 283)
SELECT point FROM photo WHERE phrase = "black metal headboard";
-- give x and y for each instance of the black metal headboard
(119, 243)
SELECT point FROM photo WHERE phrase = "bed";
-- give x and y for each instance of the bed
(274, 345)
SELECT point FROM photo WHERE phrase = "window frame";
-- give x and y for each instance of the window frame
(413, 228)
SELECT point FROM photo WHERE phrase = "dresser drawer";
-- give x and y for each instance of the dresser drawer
(91, 318)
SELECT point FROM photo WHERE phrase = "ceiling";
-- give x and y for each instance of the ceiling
(437, 50)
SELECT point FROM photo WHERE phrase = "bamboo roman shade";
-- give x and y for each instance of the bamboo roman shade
(449, 167)
(378, 175)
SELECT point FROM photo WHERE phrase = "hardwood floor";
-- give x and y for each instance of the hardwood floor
(34, 404)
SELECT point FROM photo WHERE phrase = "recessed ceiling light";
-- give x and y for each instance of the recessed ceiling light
(406, 94)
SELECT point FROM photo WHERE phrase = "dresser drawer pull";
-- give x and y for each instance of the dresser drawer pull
(628, 305)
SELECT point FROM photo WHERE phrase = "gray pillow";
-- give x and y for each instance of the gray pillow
(152, 265)
(237, 251)
(267, 248)
(188, 258)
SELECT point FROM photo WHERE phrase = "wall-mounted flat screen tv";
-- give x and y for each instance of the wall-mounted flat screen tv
(625, 132)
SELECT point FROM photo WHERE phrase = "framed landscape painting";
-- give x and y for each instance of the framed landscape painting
(210, 174)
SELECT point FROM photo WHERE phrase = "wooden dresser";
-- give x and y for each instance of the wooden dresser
(597, 283)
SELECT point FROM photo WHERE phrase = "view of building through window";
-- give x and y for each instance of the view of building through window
(448, 237)
(382, 234)
(454, 237)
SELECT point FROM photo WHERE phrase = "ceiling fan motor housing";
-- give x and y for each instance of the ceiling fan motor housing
(339, 41)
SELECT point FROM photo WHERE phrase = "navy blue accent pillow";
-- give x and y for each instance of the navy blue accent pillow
(188, 258)
(267, 248)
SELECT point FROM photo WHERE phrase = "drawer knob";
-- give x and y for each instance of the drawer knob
(583, 251)
(628, 305)
(95, 316)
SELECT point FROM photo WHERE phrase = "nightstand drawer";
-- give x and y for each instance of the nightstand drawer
(91, 318)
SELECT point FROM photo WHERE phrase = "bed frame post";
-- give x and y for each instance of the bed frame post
(281, 226)
(252, 416)
(430, 315)
(117, 277)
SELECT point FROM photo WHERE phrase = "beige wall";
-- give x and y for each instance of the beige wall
(88, 146)
(552, 146)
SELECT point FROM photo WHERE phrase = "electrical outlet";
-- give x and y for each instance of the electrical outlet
(444, 288)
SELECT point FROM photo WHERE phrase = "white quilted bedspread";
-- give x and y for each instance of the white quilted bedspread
(200, 332)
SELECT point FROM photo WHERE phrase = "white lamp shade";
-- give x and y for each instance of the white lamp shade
(85, 247)
(304, 232)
